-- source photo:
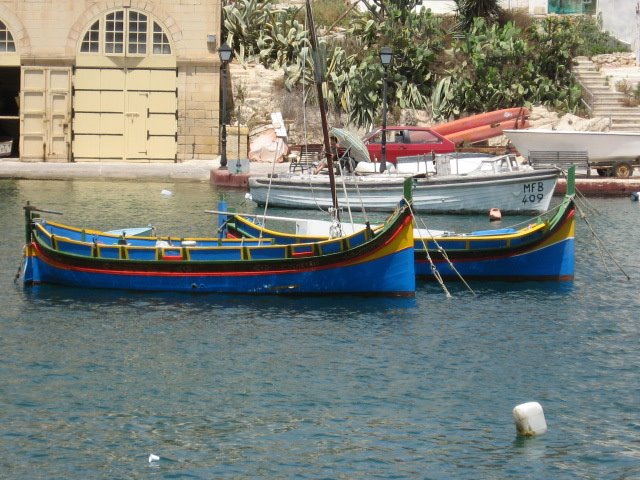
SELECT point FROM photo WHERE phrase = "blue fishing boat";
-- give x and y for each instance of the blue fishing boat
(368, 262)
(541, 250)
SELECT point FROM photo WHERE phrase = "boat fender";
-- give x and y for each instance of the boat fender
(635, 196)
(529, 419)
(495, 215)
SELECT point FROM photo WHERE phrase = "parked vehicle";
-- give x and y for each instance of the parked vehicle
(405, 141)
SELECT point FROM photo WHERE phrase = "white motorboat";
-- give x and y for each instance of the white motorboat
(496, 182)
(613, 153)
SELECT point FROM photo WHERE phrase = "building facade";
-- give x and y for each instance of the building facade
(110, 80)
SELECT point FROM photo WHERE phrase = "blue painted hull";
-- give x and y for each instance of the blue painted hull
(393, 274)
(553, 262)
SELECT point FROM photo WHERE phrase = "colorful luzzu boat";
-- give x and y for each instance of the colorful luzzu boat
(371, 262)
(541, 250)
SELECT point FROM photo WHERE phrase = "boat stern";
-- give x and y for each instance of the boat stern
(29, 268)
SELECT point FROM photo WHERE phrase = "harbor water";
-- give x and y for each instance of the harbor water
(94, 382)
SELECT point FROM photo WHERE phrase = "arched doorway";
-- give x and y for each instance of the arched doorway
(125, 90)
(9, 94)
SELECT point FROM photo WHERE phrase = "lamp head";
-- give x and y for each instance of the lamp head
(386, 56)
(225, 52)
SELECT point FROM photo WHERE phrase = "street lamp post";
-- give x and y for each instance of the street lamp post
(225, 53)
(386, 58)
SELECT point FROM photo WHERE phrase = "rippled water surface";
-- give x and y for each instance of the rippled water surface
(93, 382)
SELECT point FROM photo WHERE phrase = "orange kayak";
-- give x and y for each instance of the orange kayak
(484, 132)
(480, 120)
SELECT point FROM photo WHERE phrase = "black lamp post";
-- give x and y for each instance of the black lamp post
(386, 58)
(225, 53)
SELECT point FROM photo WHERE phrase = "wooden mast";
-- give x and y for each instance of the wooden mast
(318, 79)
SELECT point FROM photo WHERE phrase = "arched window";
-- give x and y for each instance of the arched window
(91, 40)
(6, 39)
(126, 31)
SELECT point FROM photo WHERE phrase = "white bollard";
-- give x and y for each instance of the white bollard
(529, 418)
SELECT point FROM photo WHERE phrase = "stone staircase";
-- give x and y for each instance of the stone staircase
(600, 94)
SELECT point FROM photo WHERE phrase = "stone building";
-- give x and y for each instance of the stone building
(110, 80)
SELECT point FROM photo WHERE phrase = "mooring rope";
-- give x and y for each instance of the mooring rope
(600, 244)
(273, 170)
(434, 269)
(22, 260)
(580, 197)
(582, 204)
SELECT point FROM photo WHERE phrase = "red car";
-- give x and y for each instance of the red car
(404, 141)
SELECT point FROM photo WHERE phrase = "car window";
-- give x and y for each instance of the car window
(397, 137)
(391, 137)
(423, 136)
(377, 138)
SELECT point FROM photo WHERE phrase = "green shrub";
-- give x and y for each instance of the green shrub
(514, 61)
(594, 40)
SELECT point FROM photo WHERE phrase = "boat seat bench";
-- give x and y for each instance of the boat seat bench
(305, 156)
(560, 159)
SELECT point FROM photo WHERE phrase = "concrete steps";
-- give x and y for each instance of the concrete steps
(603, 99)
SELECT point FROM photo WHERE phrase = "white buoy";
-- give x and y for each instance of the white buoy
(495, 214)
(248, 196)
(529, 418)
(635, 196)
(153, 458)
(166, 193)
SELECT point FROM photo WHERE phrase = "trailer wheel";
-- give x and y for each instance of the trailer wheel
(603, 172)
(622, 170)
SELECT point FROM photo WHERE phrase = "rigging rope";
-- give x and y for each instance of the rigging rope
(273, 170)
(600, 244)
(22, 260)
(581, 201)
(434, 270)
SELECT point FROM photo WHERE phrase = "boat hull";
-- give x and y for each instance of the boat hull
(380, 264)
(513, 192)
(599, 146)
(346, 279)
(549, 257)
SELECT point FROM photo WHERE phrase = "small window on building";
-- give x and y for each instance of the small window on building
(160, 41)
(137, 33)
(114, 33)
(6, 39)
(91, 40)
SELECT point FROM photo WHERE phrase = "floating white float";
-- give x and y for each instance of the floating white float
(635, 196)
(166, 193)
(495, 214)
(529, 418)
(153, 458)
